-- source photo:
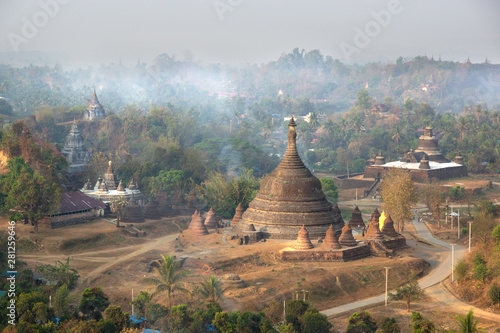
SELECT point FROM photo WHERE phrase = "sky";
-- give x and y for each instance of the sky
(87, 32)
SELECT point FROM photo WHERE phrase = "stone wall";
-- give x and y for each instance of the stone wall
(350, 183)
(421, 176)
(346, 254)
(69, 219)
(394, 244)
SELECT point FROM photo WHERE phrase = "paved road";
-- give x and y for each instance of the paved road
(438, 274)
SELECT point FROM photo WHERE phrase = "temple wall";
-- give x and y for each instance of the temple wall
(421, 176)
(349, 183)
(345, 254)
(69, 219)
(395, 243)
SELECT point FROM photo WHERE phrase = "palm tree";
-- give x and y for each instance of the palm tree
(467, 324)
(211, 289)
(170, 276)
(118, 206)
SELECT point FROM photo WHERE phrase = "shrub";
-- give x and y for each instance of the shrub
(494, 294)
(457, 193)
(461, 269)
(496, 234)
(389, 325)
(480, 269)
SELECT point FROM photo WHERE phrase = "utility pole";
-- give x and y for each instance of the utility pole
(284, 311)
(386, 283)
(132, 302)
(452, 218)
(458, 225)
(470, 231)
(452, 261)
(304, 292)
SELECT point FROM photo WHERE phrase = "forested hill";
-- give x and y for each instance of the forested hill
(326, 82)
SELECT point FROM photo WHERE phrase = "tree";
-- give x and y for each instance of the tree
(93, 302)
(421, 325)
(61, 272)
(169, 279)
(361, 323)
(408, 293)
(118, 205)
(29, 192)
(364, 101)
(398, 192)
(432, 197)
(389, 325)
(141, 303)
(212, 289)
(467, 324)
(62, 301)
(119, 318)
(329, 189)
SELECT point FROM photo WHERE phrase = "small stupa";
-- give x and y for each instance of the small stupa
(373, 232)
(376, 214)
(346, 238)
(303, 241)
(120, 187)
(133, 213)
(151, 210)
(95, 109)
(211, 219)
(110, 177)
(330, 242)
(197, 226)
(103, 188)
(237, 214)
(356, 220)
(388, 228)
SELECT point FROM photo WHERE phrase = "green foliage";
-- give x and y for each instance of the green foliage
(330, 190)
(315, 322)
(141, 304)
(62, 301)
(211, 289)
(421, 325)
(496, 234)
(457, 193)
(224, 194)
(119, 318)
(169, 279)
(32, 306)
(294, 310)
(408, 293)
(361, 323)
(93, 302)
(389, 325)
(179, 318)
(5, 107)
(62, 272)
(461, 268)
(494, 293)
(226, 322)
(480, 269)
(467, 324)
(32, 193)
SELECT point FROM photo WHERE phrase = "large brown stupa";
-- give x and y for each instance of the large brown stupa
(289, 198)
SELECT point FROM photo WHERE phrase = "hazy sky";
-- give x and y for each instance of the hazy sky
(255, 31)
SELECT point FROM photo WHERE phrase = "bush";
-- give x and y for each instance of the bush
(457, 193)
(461, 269)
(494, 294)
(481, 271)
(496, 234)
(389, 325)
(361, 322)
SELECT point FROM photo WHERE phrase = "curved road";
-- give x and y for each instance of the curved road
(431, 282)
